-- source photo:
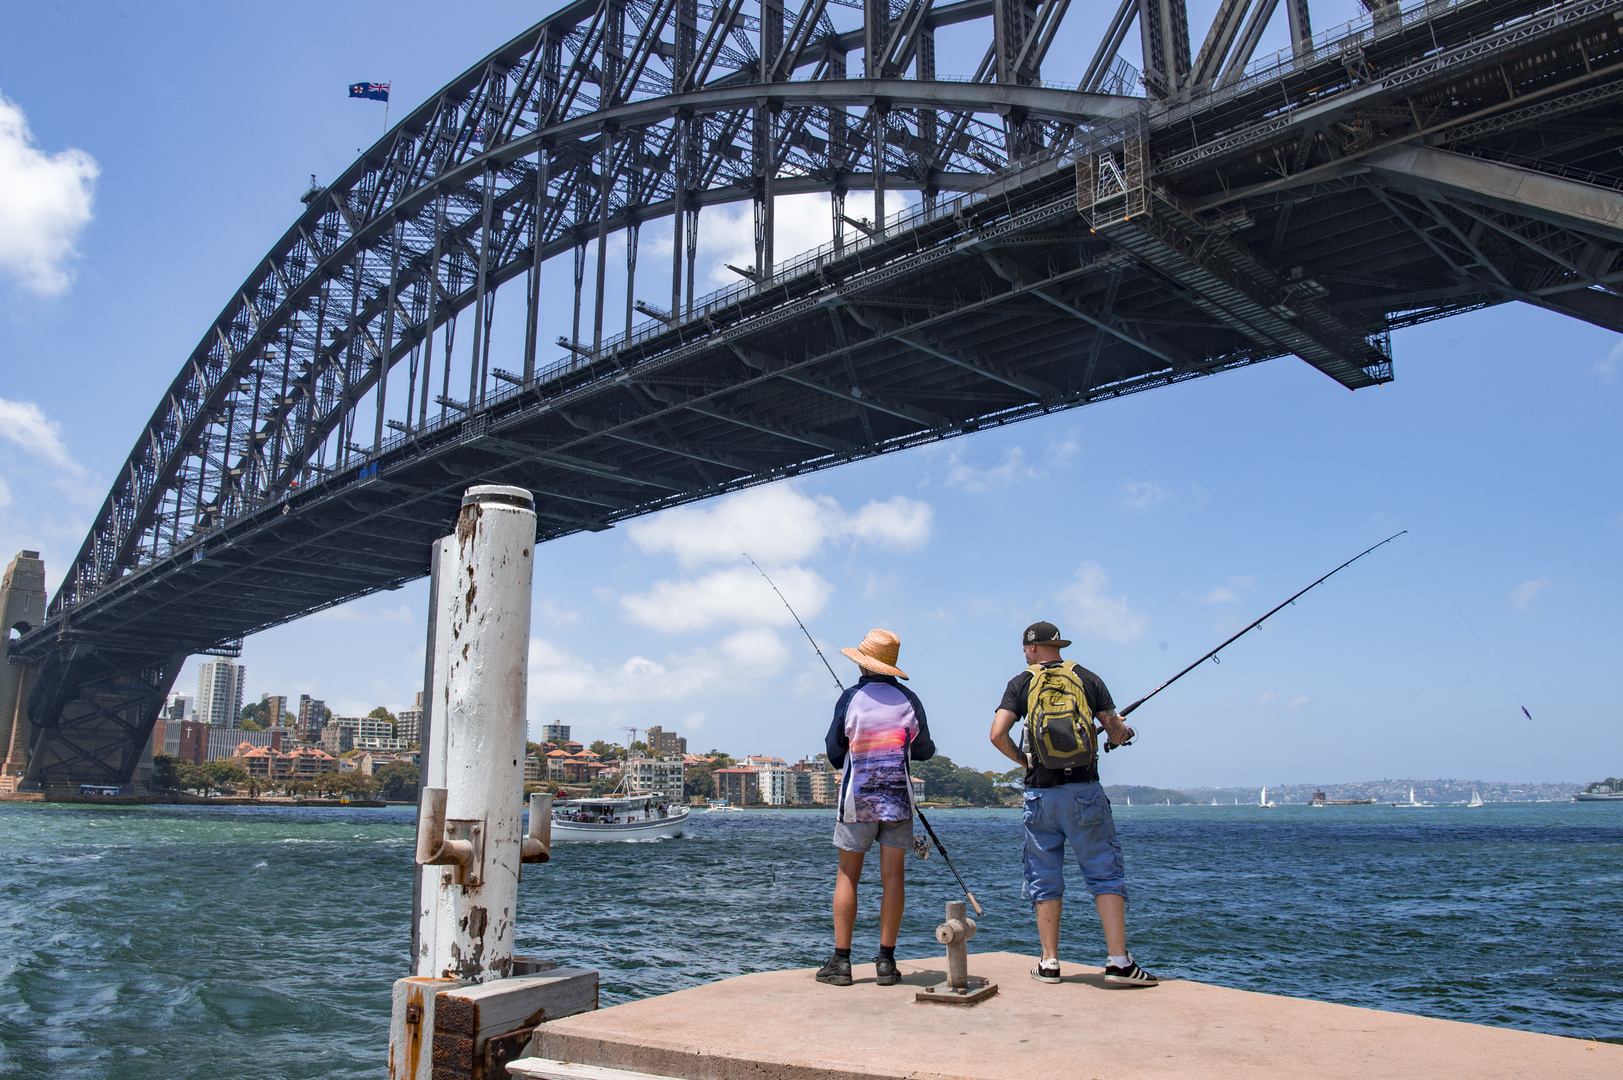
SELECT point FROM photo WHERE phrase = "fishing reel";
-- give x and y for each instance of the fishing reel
(1109, 746)
(921, 847)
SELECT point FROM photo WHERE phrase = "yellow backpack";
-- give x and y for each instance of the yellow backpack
(1058, 720)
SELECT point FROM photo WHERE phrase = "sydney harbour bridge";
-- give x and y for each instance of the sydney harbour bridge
(1060, 243)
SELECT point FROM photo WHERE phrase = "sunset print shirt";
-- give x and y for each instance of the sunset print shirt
(878, 727)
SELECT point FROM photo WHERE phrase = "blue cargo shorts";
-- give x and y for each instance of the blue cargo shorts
(1078, 815)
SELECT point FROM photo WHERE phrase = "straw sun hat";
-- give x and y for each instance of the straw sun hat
(878, 652)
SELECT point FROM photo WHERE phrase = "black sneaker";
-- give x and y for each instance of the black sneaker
(886, 971)
(1131, 975)
(837, 972)
(1046, 971)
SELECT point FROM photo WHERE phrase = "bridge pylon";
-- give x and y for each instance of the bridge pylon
(22, 607)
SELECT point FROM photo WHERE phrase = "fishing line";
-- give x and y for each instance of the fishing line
(1457, 610)
(922, 819)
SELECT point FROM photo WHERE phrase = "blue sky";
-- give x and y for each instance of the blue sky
(165, 149)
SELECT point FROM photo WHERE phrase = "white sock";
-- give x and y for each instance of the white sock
(1120, 961)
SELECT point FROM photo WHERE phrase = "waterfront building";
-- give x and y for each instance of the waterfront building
(311, 713)
(219, 692)
(825, 788)
(534, 770)
(801, 795)
(776, 780)
(654, 774)
(918, 788)
(581, 767)
(299, 763)
(223, 742)
(336, 739)
(410, 730)
(738, 785)
(664, 742)
(555, 733)
(275, 707)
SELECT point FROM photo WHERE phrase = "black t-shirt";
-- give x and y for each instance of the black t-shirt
(1099, 701)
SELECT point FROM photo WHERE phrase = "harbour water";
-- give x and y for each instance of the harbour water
(148, 943)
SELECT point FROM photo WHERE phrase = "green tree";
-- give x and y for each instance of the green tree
(258, 712)
(191, 777)
(163, 771)
(607, 751)
(226, 772)
(357, 785)
(249, 724)
(698, 781)
(397, 780)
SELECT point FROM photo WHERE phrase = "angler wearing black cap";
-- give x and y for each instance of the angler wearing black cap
(1058, 701)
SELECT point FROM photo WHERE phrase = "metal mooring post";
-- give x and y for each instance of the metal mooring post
(960, 988)
(470, 817)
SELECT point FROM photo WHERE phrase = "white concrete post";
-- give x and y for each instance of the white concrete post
(470, 816)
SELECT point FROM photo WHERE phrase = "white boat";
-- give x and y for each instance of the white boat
(1608, 790)
(1411, 803)
(1263, 799)
(647, 815)
(1476, 798)
(722, 806)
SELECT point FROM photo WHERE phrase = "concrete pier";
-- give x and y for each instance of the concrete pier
(782, 1025)
(22, 607)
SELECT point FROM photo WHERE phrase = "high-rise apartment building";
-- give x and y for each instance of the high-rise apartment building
(219, 692)
(555, 733)
(661, 741)
(275, 707)
(650, 774)
(410, 731)
(311, 713)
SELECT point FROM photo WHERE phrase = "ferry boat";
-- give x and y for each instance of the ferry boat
(647, 815)
(1601, 791)
(722, 806)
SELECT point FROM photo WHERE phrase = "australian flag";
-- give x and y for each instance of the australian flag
(376, 91)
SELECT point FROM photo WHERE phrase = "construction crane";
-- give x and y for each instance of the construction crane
(630, 740)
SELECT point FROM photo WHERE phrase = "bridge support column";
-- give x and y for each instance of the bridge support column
(22, 607)
(468, 824)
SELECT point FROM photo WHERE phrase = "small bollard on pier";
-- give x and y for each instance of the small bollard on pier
(960, 988)
(469, 1005)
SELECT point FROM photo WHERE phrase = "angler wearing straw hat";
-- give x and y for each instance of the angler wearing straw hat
(878, 727)
(1058, 701)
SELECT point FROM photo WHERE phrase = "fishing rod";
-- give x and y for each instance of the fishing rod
(1253, 626)
(924, 820)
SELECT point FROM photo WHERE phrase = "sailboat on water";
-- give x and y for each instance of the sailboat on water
(1263, 799)
(1476, 798)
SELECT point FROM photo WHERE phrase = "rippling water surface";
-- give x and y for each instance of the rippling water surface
(148, 943)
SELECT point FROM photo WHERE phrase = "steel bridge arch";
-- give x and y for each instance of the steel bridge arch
(228, 435)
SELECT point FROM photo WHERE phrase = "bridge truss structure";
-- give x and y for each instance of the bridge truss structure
(1070, 243)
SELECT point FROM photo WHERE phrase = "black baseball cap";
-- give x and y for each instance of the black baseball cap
(1043, 633)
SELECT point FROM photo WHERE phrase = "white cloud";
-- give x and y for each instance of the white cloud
(557, 677)
(1296, 702)
(552, 615)
(693, 721)
(45, 202)
(1267, 696)
(756, 651)
(5, 494)
(1142, 494)
(1522, 596)
(1228, 594)
(1607, 368)
(1097, 613)
(801, 223)
(25, 423)
(777, 524)
(736, 595)
(974, 480)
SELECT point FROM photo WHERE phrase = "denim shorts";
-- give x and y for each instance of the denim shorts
(858, 836)
(1078, 815)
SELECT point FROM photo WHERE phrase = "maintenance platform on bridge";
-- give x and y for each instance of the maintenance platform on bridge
(784, 1026)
